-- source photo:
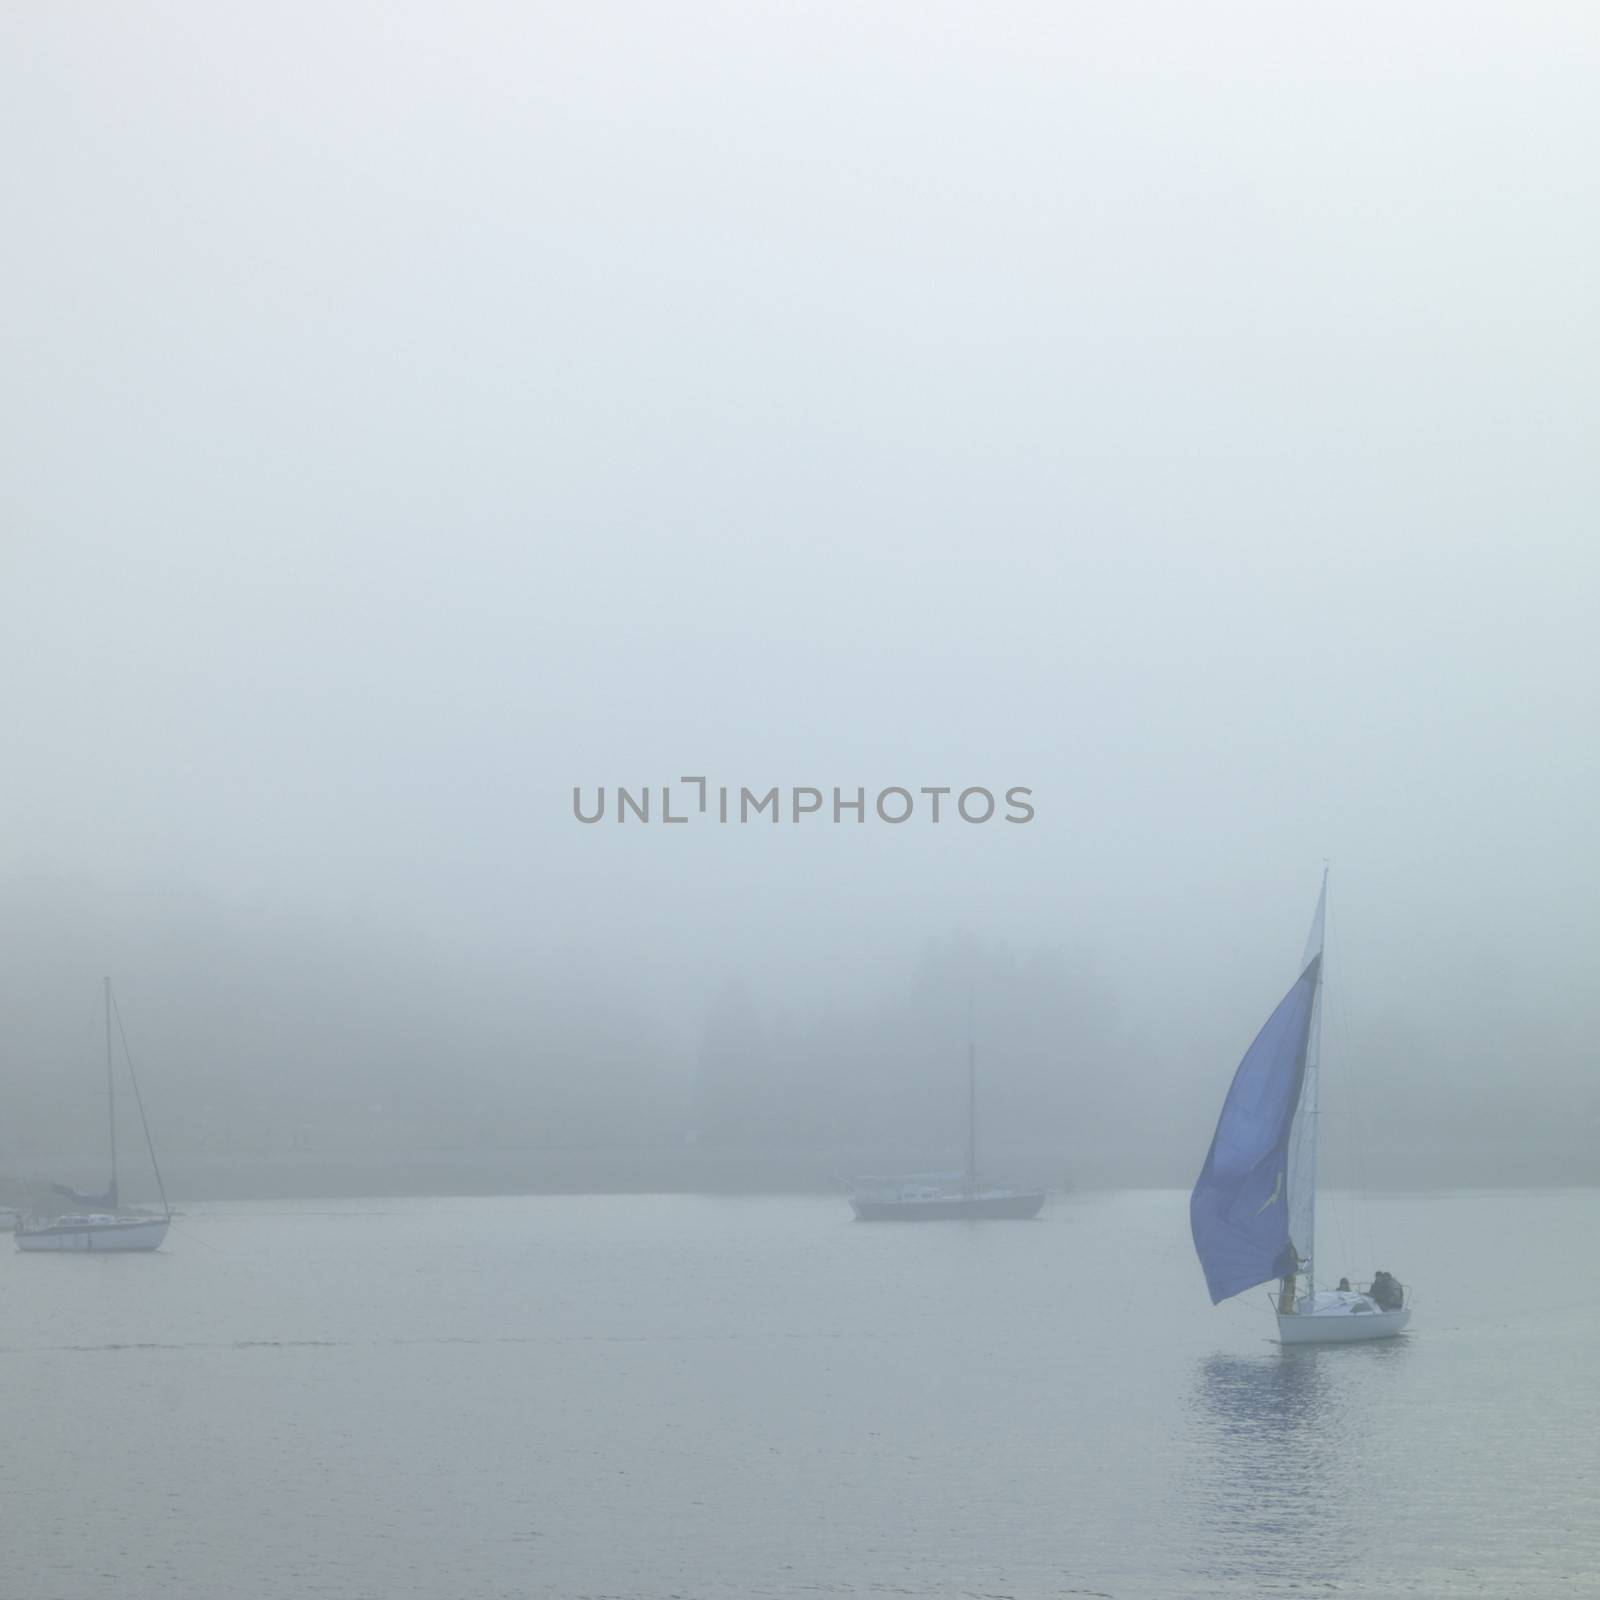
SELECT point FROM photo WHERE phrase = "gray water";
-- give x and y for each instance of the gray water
(671, 1396)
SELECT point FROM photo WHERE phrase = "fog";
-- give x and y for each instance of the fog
(412, 417)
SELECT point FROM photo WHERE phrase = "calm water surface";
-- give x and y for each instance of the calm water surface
(652, 1397)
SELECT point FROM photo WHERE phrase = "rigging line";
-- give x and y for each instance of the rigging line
(144, 1122)
(1332, 1047)
(1339, 1221)
(1358, 1127)
(1348, 1210)
(195, 1237)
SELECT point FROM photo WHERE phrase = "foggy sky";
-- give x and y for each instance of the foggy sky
(414, 412)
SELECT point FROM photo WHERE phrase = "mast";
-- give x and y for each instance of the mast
(1303, 1140)
(972, 1103)
(111, 1098)
(1313, 1084)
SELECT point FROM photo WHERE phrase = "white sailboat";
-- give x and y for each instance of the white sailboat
(1253, 1210)
(946, 1196)
(100, 1225)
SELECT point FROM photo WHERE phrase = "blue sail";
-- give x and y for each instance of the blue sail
(1239, 1211)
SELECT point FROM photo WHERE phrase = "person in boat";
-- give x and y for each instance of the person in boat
(1344, 1286)
(1386, 1292)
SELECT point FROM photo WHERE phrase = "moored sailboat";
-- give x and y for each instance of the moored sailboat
(946, 1197)
(99, 1224)
(1253, 1210)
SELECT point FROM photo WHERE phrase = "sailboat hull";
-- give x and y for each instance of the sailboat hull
(949, 1208)
(121, 1233)
(1339, 1327)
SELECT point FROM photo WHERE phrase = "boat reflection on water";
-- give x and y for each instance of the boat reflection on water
(1286, 1464)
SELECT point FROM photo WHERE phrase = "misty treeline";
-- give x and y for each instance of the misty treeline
(269, 1038)
(891, 1073)
(283, 1054)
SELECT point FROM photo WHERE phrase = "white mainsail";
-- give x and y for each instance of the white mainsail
(1303, 1133)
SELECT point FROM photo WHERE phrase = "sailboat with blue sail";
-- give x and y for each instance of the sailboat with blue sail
(1254, 1209)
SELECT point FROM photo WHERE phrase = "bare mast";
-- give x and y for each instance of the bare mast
(111, 1100)
(972, 1103)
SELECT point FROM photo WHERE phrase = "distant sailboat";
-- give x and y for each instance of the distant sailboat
(1253, 1210)
(945, 1196)
(98, 1224)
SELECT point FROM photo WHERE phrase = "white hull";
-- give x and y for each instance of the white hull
(1339, 1327)
(132, 1233)
(980, 1206)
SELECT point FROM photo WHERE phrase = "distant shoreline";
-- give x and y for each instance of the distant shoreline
(200, 1176)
